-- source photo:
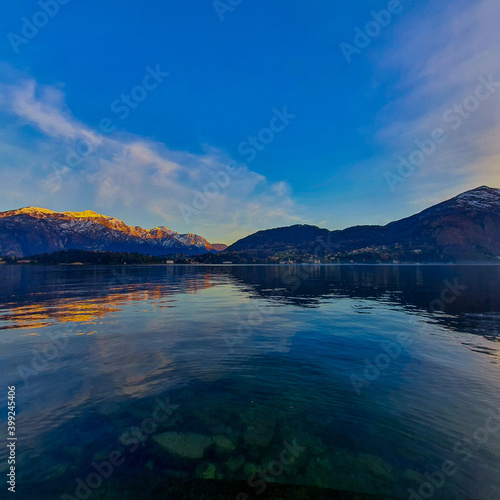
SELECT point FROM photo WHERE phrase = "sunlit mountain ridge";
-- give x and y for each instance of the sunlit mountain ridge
(32, 230)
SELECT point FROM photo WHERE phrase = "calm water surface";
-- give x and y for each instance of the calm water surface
(239, 379)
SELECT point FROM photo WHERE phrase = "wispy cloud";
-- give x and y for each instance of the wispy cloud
(439, 53)
(121, 173)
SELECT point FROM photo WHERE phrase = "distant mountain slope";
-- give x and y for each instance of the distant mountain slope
(466, 227)
(219, 246)
(30, 231)
(279, 239)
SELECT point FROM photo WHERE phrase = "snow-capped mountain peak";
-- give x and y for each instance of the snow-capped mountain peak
(481, 197)
(34, 230)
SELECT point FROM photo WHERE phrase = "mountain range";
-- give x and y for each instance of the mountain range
(464, 228)
(31, 231)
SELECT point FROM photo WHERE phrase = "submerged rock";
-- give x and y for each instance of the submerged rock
(174, 420)
(260, 433)
(208, 471)
(251, 469)
(185, 445)
(376, 465)
(313, 444)
(343, 469)
(234, 463)
(339, 471)
(320, 472)
(224, 443)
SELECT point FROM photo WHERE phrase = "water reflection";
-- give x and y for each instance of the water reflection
(44, 296)
(45, 303)
(253, 356)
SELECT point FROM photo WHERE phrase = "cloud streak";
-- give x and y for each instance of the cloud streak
(437, 73)
(58, 162)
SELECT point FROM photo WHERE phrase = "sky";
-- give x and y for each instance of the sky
(226, 117)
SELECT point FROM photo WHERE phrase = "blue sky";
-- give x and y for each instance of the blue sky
(136, 110)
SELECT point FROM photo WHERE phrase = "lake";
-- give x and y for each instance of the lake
(252, 381)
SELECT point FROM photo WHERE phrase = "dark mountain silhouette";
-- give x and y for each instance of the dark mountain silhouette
(466, 227)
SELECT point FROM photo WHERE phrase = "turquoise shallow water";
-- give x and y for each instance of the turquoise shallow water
(253, 381)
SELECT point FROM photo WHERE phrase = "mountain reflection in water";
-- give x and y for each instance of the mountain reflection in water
(252, 357)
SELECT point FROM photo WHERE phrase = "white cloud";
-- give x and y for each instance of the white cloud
(123, 175)
(45, 111)
(439, 53)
